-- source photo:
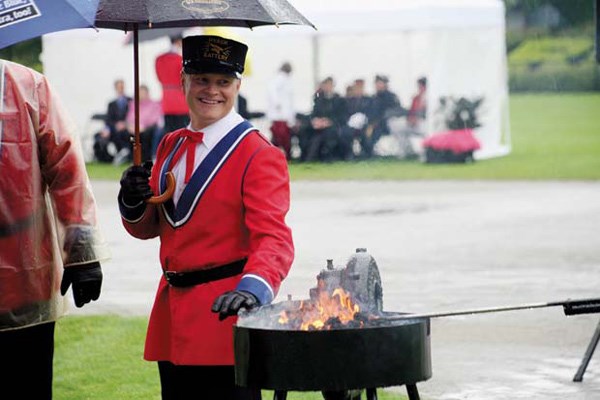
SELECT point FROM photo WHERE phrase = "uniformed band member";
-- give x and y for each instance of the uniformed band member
(168, 71)
(48, 229)
(225, 244)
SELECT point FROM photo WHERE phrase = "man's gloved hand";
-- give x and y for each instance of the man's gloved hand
(229, 303)
(135, 186)
(86, 280)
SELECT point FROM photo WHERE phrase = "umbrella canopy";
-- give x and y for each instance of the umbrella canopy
(181, 13)
(27, 19)
(153, 34)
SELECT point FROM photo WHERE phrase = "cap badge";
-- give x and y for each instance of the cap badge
(216, 49)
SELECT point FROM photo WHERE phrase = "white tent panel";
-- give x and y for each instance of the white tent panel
(468, 63)
(83, 65)
(457, 44)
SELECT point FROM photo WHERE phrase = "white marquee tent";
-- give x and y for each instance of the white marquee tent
(459, 45)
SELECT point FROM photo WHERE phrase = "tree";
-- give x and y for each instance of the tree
(574, 12)
(26, 53)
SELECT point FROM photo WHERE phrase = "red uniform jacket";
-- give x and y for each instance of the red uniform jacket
(168, 71)
(234, 207)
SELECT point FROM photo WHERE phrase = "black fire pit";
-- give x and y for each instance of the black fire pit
(337, 360)
(349, 349)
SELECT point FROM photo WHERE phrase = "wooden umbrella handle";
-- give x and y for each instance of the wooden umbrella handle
(137, 145)
(168, 193)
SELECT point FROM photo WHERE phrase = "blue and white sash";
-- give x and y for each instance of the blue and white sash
(202, 176)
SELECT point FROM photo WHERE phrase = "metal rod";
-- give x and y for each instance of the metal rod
(412, 391)
(588, 355)
(572, 307)
(137, 147)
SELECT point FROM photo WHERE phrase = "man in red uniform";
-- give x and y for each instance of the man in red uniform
(47, 224)
(168, 71)
(224, 241)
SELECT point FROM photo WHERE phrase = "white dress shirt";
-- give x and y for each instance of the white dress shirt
(212, 135)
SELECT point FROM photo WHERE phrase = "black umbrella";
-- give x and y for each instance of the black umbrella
(133, 15)
(156, 33)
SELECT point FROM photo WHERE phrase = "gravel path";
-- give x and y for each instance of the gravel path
(439, 246)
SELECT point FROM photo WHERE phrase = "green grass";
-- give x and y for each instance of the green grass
(100, 358)
(554, 137)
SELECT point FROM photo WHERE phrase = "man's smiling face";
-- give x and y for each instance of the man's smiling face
(209, 96)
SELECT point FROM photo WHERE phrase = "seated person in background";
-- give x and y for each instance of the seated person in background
(104, 148)
(382, 102)
(116, 126)
(151, 123)
(327, 118)
(358, 105)
(417, 112)
(242, 109)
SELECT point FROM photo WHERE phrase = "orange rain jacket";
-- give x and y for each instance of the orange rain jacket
(47, 210)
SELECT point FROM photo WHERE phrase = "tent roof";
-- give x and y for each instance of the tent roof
(335, 16)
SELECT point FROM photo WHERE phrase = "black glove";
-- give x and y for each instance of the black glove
(86, 280)
(135, 186)
(229, 303)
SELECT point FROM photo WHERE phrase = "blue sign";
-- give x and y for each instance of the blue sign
(15, 11)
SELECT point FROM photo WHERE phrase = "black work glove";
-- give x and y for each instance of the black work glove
(229, 303)
(135, 184)
(86, 280)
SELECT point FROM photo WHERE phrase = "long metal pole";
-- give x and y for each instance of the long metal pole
(572, 307)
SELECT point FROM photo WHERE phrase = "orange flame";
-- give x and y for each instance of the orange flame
(311, 315)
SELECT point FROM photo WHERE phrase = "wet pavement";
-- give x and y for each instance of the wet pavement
(439, 245)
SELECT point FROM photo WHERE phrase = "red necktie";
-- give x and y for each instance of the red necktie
(189, 147)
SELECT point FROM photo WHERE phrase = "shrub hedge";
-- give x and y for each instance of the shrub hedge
(565, 63)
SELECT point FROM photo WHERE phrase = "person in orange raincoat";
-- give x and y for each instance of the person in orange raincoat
(49, 239)
(225, 244)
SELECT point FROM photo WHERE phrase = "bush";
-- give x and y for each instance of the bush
(550, 63)
(552, 49)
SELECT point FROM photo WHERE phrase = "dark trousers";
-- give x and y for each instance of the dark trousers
(146, 140)
(174, 122)
(199, 382)
(323, 145)
(121, 139)
(26, 361)
(282, 137)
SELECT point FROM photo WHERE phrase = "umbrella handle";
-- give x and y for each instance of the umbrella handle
(167, 194)
(137, 160)
(137, 146)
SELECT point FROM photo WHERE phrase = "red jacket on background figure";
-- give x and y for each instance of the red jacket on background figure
(168, 71)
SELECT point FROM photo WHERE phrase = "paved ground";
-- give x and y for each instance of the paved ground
(439, 246)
